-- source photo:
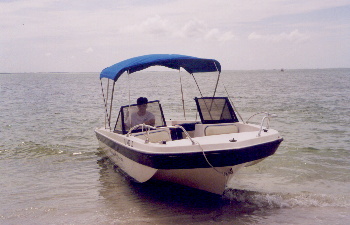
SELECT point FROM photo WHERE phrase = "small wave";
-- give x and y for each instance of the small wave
(281, 200)
(33, 150)
(77, 153)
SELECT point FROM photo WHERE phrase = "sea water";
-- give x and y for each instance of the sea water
(51, 171)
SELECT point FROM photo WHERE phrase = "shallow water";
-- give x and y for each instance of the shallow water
(52, 173)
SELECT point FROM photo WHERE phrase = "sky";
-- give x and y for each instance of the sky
(89, 35)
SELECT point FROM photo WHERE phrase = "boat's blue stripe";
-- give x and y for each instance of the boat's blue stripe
(218, 158)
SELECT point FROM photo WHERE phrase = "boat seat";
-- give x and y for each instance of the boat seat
(155, 136)
(220, 129)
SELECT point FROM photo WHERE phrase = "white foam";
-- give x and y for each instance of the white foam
(280, 200)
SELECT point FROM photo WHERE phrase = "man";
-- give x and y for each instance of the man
(142, 115)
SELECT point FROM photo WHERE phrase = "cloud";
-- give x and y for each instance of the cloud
(192, 29)
(14, 6)
(220, 28)
(154, 25)
(89, 50)
(216, 34)
(293, 36)
(199, 30)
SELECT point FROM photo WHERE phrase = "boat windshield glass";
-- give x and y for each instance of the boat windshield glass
(215, 110)
(127, 116)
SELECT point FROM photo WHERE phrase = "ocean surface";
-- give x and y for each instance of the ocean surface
(51, 171)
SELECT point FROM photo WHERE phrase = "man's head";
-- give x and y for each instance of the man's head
(142, 101)
(142, 104)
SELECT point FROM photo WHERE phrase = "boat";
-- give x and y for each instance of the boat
(204, 153)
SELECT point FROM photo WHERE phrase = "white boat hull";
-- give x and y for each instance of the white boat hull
(136, 171)
(184, 163)
(206, 179)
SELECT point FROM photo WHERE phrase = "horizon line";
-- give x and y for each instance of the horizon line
(281, 69)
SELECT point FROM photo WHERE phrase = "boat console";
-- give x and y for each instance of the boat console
(216, 113)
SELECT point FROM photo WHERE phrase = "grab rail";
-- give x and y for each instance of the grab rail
(184, 130)
(143, 126)
(140, 125)
(255, 115)
(151, 127)
(267, 116)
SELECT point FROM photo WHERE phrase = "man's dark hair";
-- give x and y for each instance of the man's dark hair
(142, 100)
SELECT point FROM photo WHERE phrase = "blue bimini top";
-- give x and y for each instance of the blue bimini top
(189, 63)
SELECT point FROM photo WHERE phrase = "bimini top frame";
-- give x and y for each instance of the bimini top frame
(173, 61)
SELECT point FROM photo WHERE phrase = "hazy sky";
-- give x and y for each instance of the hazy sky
(89, 35)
